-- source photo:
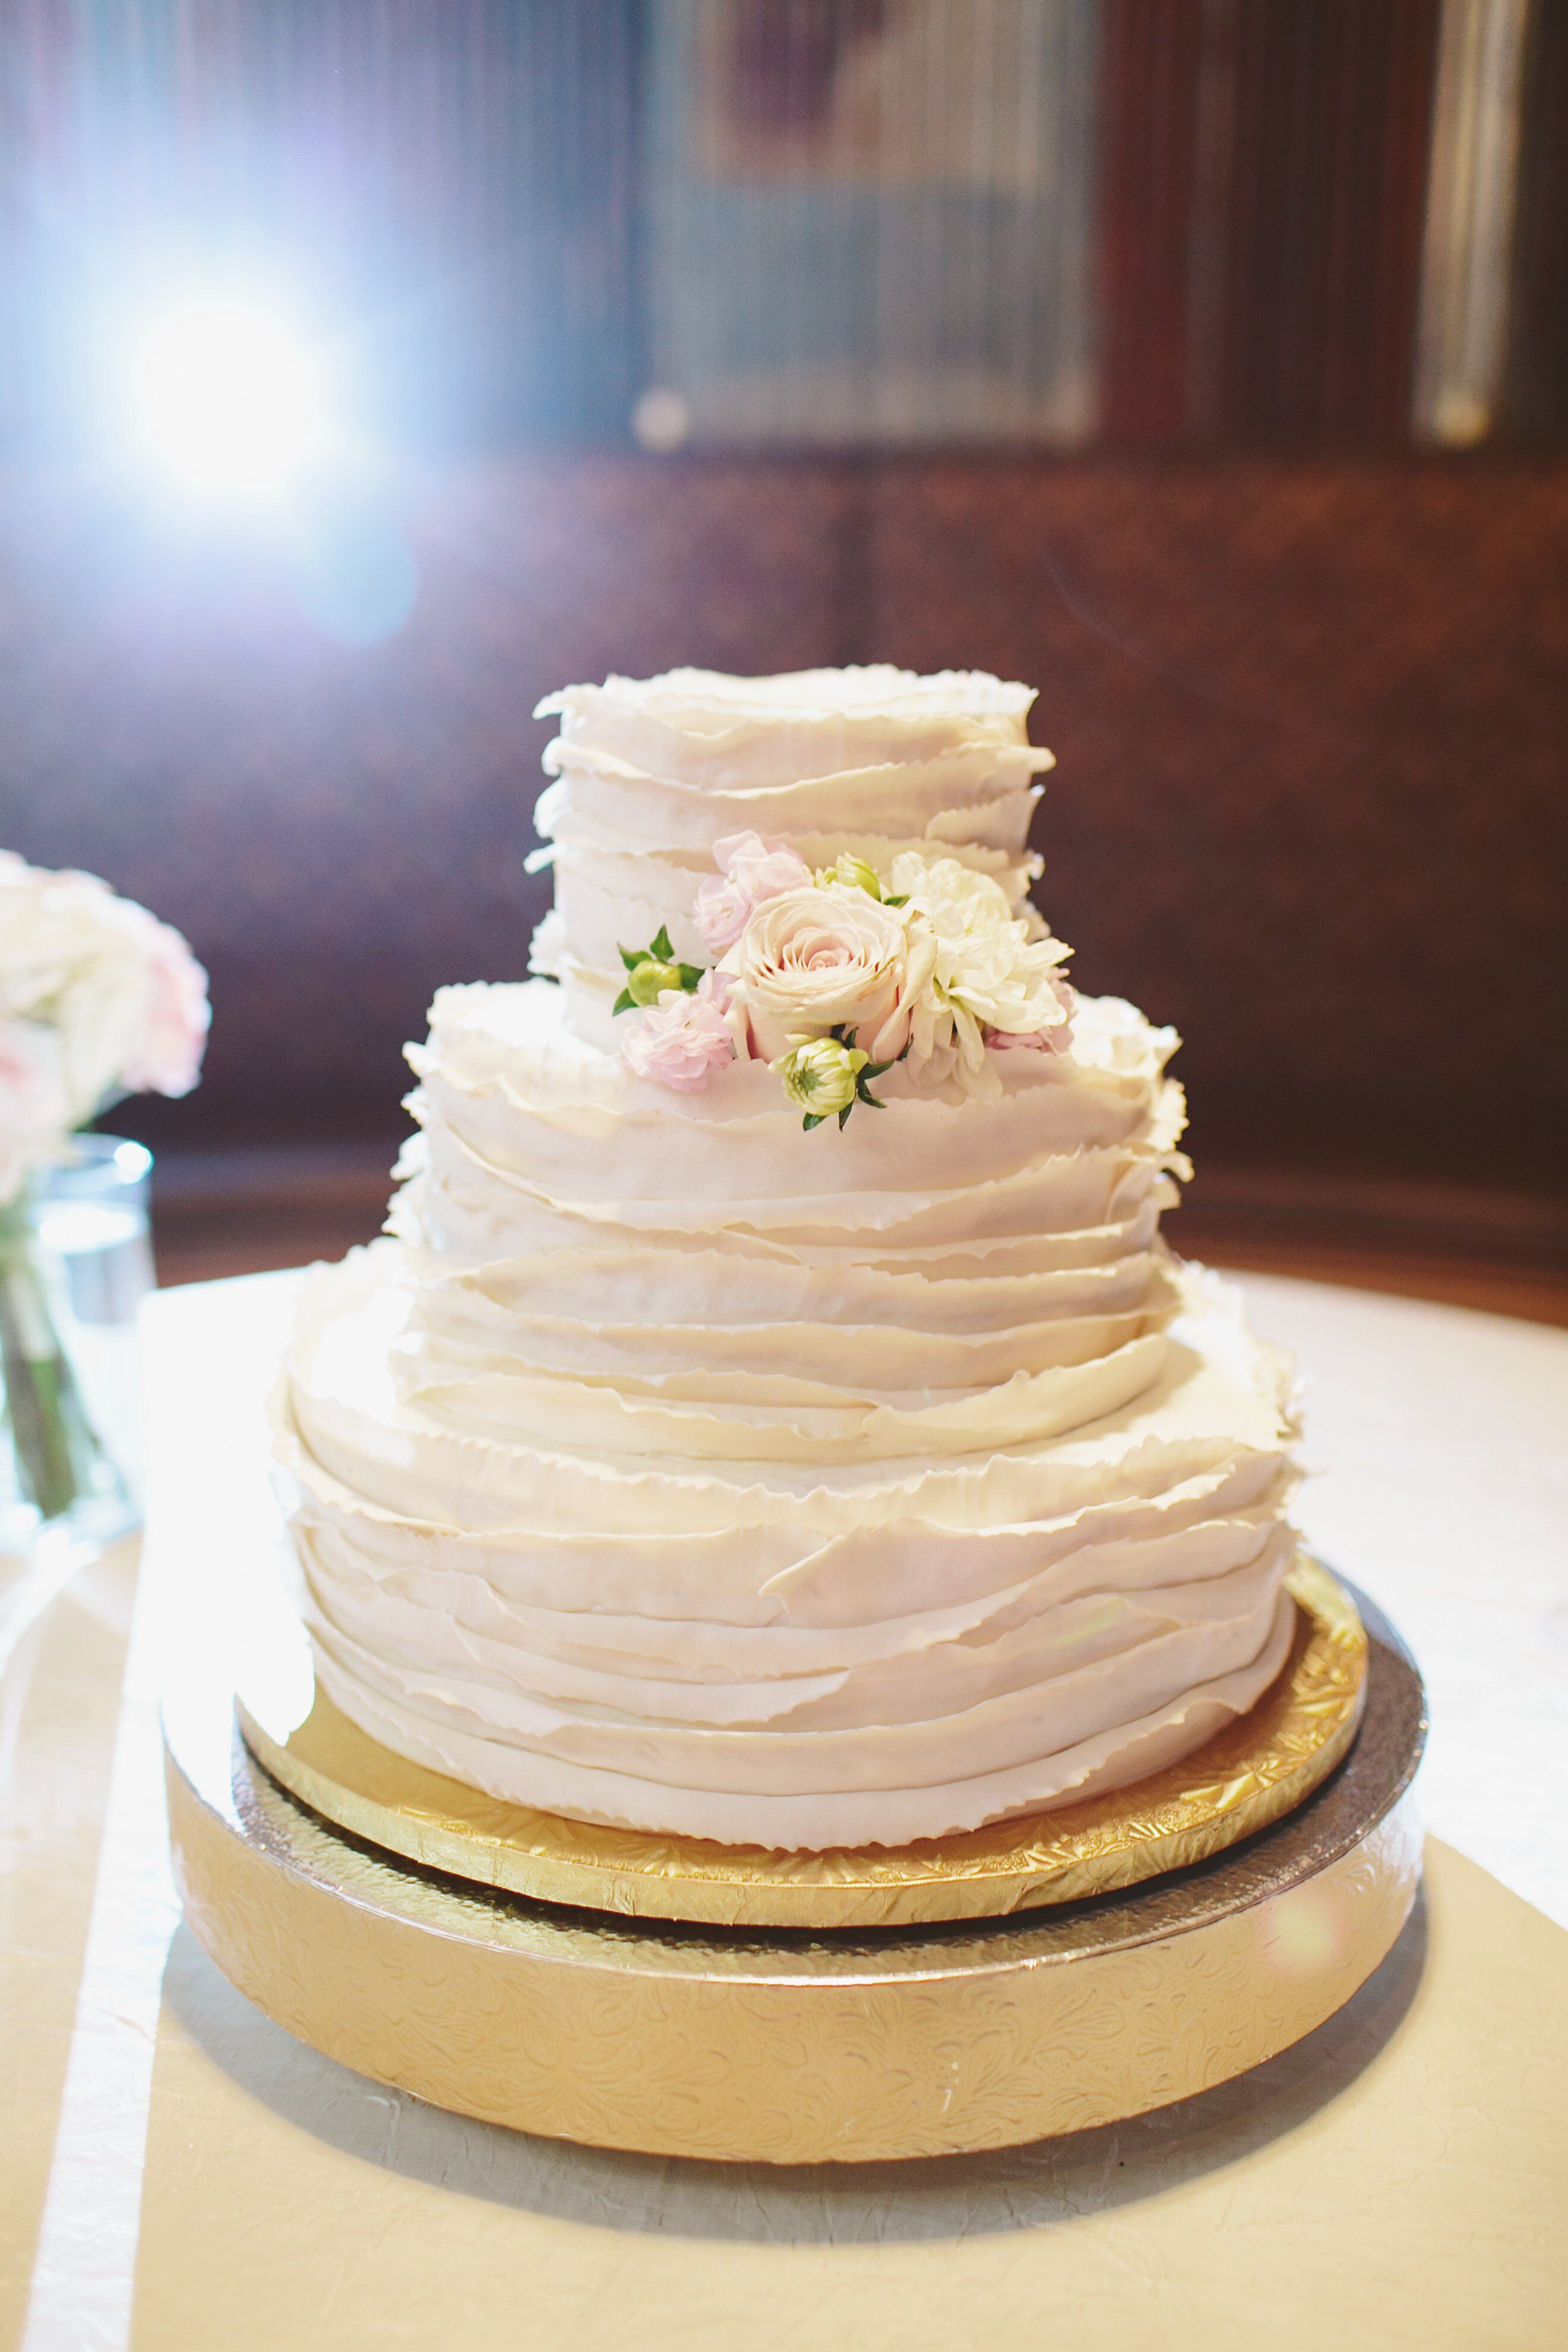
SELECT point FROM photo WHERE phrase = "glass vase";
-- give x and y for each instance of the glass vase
(75, 1262)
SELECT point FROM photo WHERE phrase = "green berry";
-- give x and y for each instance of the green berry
(649, 979)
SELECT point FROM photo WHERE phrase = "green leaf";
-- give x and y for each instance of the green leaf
(875, 1070)
(901, 899)
(624, 1002)
(690, 973)
(630, 957)
(812, 1118)
(843, 1115)
(661, 951)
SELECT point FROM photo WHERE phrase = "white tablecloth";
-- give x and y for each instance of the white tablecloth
(1439, 1442)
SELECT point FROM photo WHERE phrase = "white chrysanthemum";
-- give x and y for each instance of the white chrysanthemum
(989, 973)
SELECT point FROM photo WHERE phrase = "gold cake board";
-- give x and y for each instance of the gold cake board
(1248, 1775)
(787, 2045)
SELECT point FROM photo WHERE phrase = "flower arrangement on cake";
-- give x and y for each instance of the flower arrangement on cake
(832, 977)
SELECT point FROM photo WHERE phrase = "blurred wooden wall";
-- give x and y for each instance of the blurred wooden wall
(1308, 715)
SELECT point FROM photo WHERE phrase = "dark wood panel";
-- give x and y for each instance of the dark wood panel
(1310, 803)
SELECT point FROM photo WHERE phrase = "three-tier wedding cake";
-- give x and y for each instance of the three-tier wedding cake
(773, 1416)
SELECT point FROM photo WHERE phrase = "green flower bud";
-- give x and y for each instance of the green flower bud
(856, 875)
(820, 1075)
(647, 982)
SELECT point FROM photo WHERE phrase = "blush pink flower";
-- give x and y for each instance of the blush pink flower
(166, 1058)
(680, 1040)
(753, 871)
(1055, 1040)
(35, 1113)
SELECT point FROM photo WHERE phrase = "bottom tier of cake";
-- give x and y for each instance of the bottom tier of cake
(785, 2048)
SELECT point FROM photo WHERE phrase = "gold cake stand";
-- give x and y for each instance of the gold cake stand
(1247, 1776)
(788, 2045)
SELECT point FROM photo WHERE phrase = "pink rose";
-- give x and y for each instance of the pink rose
(754, 870)
(682, 1039)
(819, 959)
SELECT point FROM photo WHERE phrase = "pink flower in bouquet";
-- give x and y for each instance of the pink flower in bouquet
(1055, 1040)
(35, 1111)
(683, 1038)
(752, 870)
(166, 1056)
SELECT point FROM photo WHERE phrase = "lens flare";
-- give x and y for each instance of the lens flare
(227, 398)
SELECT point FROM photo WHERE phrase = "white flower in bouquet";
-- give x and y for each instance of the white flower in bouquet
(98, 999)
(989, 979)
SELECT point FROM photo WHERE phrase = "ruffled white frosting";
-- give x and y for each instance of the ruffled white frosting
(671, 1467)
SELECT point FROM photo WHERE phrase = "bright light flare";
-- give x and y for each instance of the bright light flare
(227, 397)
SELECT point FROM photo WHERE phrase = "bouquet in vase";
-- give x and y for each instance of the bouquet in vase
(98, 999)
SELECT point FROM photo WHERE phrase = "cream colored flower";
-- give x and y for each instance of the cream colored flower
(813, 960)
(821, 1077)
(854, 872)
(987, 972)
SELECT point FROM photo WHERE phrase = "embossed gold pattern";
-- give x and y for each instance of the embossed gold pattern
(786, 2047)
(1246, 1776)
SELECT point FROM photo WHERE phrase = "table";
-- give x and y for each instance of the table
(178, 2174)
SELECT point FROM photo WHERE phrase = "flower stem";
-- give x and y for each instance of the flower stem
(54, 1443)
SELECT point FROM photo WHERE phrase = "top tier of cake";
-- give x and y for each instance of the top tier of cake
(649, 774)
